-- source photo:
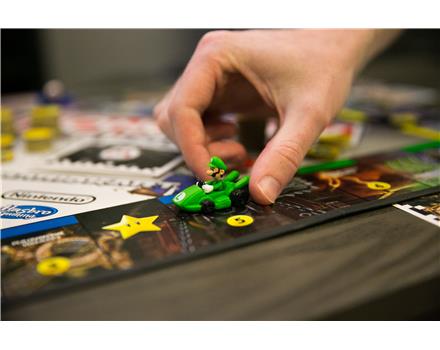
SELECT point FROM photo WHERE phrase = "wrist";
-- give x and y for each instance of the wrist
(370, 43)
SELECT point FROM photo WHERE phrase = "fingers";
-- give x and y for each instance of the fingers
(232, 152)
(179, 114)
(277, 164)
(220, 130)
(216, 128)
(161, 117)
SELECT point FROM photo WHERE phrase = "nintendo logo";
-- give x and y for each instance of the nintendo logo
(64, 198)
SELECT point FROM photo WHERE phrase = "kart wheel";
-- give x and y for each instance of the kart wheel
(208, 207)
(240, 197)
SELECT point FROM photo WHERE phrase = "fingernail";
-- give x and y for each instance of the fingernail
(270, 188)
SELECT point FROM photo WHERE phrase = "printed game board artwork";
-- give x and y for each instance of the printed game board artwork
(425, 208)
(142, 235)
(117, 157)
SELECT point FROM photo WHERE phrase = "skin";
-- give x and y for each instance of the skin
(301, 76)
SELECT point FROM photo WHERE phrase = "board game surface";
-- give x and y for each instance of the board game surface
(97, 205)
(426, 208)
(144, 230)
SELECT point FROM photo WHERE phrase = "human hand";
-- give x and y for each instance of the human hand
(300, 76)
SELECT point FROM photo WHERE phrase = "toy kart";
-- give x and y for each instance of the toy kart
(235, 193)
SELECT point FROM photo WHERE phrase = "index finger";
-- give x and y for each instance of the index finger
(192, 96)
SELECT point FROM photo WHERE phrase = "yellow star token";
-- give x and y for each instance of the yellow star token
(240, 220)
(53, 266)
(130, 226)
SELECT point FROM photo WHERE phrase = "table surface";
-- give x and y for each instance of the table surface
(381, 264)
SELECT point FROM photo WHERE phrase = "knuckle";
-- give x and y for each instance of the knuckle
(157, 111)
(315, 109)
(311, 108)
(174, 112)
(213, 40)
(291, 152)
(161, 123)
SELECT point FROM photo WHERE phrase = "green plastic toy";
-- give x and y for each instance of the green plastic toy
(220, 193)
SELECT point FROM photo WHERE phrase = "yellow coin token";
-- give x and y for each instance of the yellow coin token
(54, 266)
(38, 134)
(378, 185)
(6, 115)
(353, 115)
(7, 125)
(240, 220)
(38, 139)
(45, 111)
(7, 155)
(7, 140)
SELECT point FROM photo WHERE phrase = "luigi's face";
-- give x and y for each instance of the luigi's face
(216, 173)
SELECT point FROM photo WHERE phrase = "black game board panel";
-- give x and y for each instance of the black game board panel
(239, 241)
(310, 199)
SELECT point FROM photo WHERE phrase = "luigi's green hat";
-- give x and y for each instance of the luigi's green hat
(216, 162)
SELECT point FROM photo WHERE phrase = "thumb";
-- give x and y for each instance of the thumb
(277, 164)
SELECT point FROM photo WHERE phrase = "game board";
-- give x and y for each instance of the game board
(426, 208)
(142, 235)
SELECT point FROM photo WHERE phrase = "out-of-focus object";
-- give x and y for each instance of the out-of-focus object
(352, 115)
(252, 133)
(391, 96)
(419, 125)
(337, 137)
(403, 118)
(414, 110)
(420, 131)
(7, 123)
(7, 143)
(54, 92)
(322, 151)
(46, 116)
(38, 139)
(375, 102)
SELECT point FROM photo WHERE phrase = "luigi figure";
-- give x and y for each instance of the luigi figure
(221, 192)
(217, 170)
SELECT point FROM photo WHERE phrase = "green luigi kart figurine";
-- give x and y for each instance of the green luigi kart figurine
(220, 193)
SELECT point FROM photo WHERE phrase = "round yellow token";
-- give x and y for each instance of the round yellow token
(378, 185)
(6, 115)
(240, 220)
(7, 155)
(38, 134)
(7, 140)
(54, 266)
(45, 111)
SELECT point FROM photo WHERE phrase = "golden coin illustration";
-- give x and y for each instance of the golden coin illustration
(240, 220)
(54, 266)
(378, 185)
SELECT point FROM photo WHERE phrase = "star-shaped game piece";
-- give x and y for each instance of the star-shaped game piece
(130, 226)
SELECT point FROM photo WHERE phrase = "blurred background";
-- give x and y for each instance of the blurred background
(91, 61)
(105, 61)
